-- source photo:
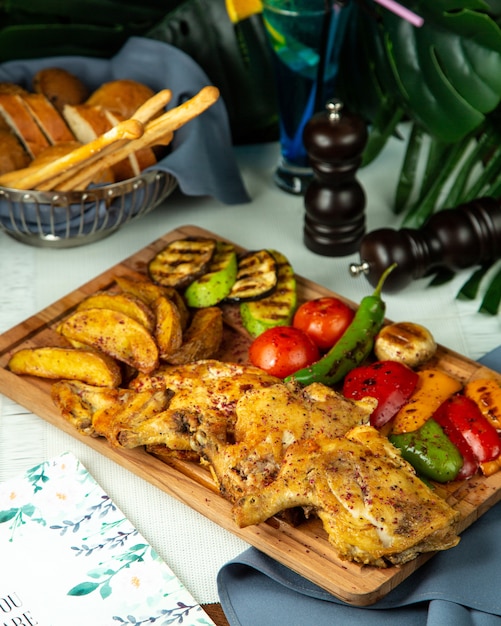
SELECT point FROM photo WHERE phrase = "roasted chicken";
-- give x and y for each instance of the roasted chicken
(274, 447)
(372, 505)
(268, 420)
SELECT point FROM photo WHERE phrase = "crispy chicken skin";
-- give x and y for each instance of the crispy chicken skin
(268, 420)
(372, 505)
(204, 392)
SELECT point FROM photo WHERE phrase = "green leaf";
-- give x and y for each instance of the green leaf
(442, 276)
(441, 162)
(7, 515)
(492, 297)
(470, 288)
(407, 178)
(474, 153)
(459, 78)
(490, 172)
(105, 590)
(83, 589)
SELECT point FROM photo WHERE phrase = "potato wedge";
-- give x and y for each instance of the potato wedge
(149, 292)
(168, 328)
(88, 366)
(127, 303)
(144, 289)
(202, 339)
(113, 333)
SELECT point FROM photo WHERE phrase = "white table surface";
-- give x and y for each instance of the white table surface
(33, 278)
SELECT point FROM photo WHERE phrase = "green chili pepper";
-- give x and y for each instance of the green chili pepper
(430, 452)
(354, 345)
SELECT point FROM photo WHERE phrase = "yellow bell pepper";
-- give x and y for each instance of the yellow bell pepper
(433, 388)
(486, 393)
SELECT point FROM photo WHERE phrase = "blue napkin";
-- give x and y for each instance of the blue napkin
(202, 157)
(460, 587)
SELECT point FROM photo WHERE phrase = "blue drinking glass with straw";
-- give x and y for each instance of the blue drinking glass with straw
(305, 37)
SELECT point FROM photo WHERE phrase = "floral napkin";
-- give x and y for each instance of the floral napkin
(70, 557)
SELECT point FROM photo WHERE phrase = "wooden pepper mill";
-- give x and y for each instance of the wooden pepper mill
(334, 201)
(455, 239)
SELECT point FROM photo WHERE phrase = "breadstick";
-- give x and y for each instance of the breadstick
(157, 132)
(34, 177)
(85, 175)
(152, 106)
(52, 183)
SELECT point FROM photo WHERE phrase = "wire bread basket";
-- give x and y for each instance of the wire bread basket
(65, 220)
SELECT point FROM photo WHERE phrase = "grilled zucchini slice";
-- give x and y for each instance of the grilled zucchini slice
(216, 283)
(182, 261)
(276, 309)
(257, 277)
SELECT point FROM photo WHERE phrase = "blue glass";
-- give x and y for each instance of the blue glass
(304, 36)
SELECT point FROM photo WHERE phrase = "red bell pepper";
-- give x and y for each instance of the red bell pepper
(470, 462)
(460, 414)
(390, 382)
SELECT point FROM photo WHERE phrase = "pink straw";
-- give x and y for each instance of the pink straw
(402, 12)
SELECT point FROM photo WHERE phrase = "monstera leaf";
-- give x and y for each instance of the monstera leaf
(448, 71)
(445, 75)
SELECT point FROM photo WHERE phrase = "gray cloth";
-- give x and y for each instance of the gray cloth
(459, 587)
(202, 158)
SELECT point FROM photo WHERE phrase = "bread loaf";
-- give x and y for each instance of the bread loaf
(48, 118)
(12, 154)
(18, 117)
(88, 122)
(122, 97)
(60, 87)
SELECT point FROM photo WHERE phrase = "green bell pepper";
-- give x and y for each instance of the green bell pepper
(430, 452)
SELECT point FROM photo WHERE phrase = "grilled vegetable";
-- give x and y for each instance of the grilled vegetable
(354, 346)
(462, 414)
(433, 387)
(470, 462)
(407, 342)
(182, 261)
(324, 319)
(216, 283)
(430, 452)
(390, 382)
(278, 308)
(282, 350)
(257, 277)
(486, 393)
(88, 366)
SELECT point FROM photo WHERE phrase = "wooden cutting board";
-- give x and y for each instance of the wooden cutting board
(304, 548)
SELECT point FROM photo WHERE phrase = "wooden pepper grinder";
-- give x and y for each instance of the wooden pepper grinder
(457, 238)
(334, 201)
